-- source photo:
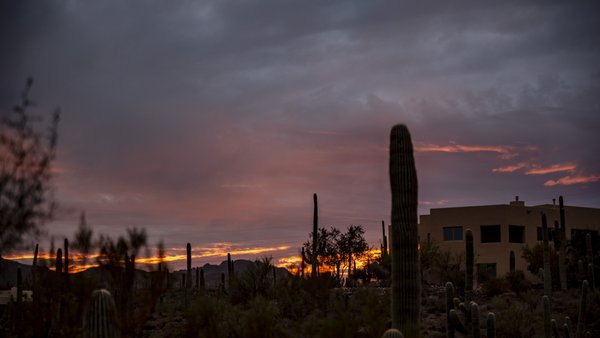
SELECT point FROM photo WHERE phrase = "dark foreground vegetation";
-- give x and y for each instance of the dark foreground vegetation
(387, 296)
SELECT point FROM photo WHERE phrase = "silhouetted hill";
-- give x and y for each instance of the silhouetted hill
(8, 273)
(102, 275)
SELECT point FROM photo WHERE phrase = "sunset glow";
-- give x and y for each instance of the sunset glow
(552, 169)
(570, 180)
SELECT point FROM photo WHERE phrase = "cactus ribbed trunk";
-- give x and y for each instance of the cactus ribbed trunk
(101, 318)
(475, 331)
(314, 261)
(547, 269)
(582, 309)
(406, 283)
(491, 325)
(547, 322)
(188, 280)
(590, 260)
(562, 265)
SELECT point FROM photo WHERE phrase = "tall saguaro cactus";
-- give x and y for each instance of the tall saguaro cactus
(188, 279)
(470, 260)
(547, 270)
(315, 242)
(384, 244)
(59, 265)
(562, 267)
(406, 282)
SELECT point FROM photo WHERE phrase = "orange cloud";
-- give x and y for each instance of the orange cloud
(569, 180)
(504, 151)
(551, 169)
(510, 168)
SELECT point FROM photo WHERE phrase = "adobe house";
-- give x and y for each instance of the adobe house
(498, 229)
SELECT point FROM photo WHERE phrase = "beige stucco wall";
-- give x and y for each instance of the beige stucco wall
(515, 213)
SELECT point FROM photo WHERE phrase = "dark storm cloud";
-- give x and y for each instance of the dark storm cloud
(222, 118)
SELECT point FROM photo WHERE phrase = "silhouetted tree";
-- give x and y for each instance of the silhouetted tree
(83, 238)
(137, 239)
(25, 173)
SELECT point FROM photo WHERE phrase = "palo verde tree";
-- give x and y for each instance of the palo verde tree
(26, 155)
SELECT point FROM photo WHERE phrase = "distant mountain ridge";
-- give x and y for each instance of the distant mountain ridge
(212, 274)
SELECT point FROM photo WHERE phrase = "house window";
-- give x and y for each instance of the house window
(550, 234)
(490, 233)
(516, 234)
(453, 233)
(485, 272)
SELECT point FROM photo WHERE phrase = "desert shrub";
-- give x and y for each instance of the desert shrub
(448, 266)
(494, 287)
(517, 282)
(514, 319)
(259, 319)
(203, 317)
(535, 260)
(255, 281)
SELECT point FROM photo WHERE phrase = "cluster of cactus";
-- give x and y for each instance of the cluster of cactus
(406, 282)
(551, 328)
(100, 320)
(471, 313)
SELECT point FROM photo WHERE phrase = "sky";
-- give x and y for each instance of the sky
(214, 122)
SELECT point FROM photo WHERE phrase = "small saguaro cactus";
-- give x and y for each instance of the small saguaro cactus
(582, 309)
(197, 278)
(547, 270)
(406, 281)
(34, 265)
(100, 320)
(475, 331)
(491, 325)
(449, 306)
(392, 333)
(202, 281)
